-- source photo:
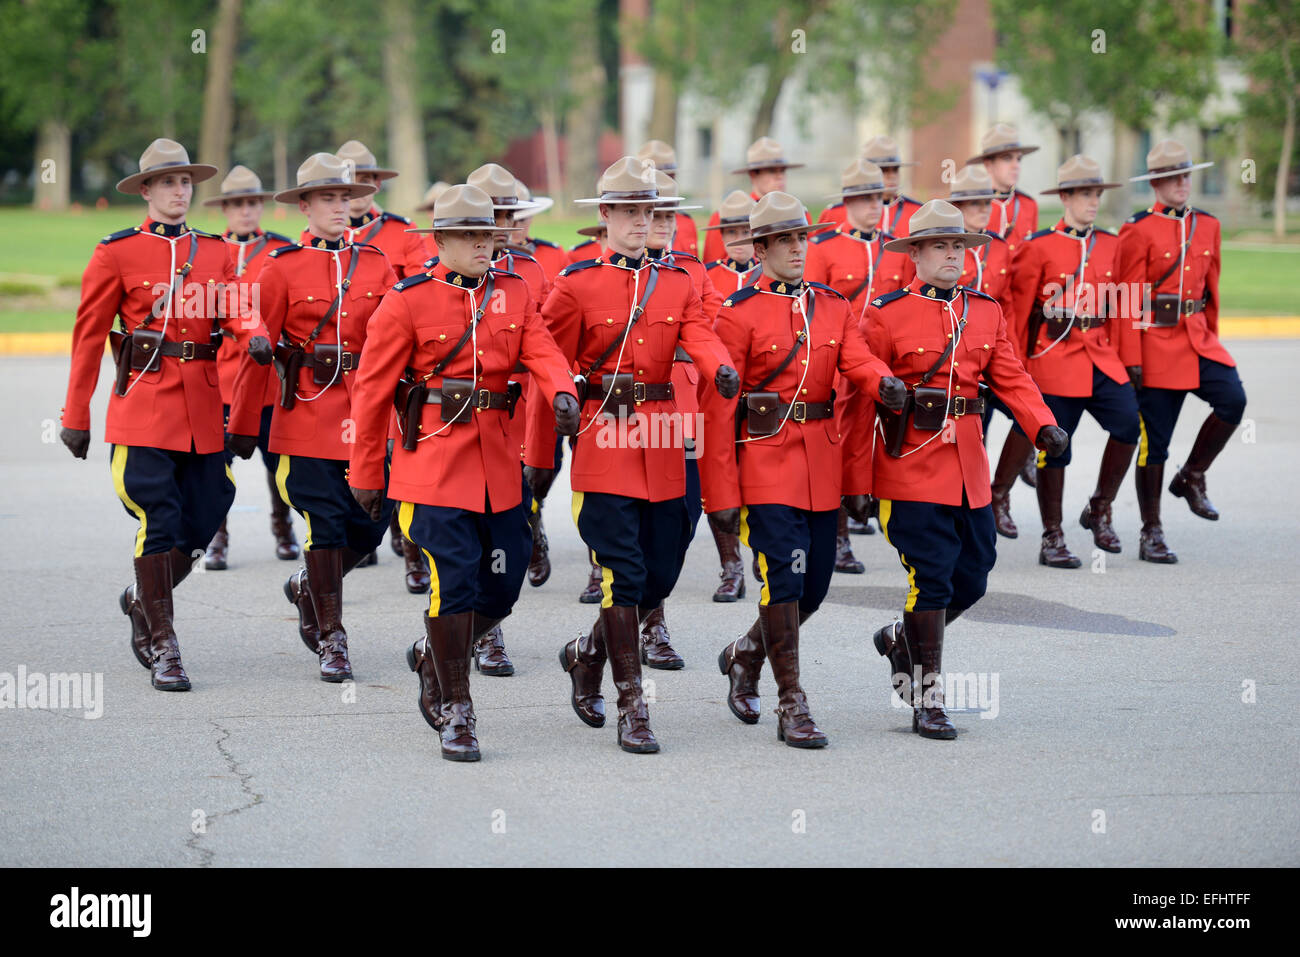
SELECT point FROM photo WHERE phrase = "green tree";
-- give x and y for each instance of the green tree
(1270, 54)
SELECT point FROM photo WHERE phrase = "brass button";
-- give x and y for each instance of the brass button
(958, 388)
(640, 342)
(345, 342)
(670, 318)
(480, 352)
(311, 298)
(832, 342)
(920, 348)
(805, 391)
(343, 314)
(369, 294)
(804, 361)
(774, 347)
(512, 325)
(146, 284)
(609, 322)
(441, 336)
(184, 330)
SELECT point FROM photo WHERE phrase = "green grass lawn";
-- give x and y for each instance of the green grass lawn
(51, 250)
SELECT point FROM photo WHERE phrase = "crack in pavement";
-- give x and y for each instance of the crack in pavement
(206, 855)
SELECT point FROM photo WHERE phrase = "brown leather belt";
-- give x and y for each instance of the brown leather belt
(805, 411)
(959, 405)
(347, 361)
(188, 350)
(1166, 310)
(641, 391)
(479, 399)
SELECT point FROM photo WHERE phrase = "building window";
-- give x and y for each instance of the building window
(1212, 178)
(1069, 142)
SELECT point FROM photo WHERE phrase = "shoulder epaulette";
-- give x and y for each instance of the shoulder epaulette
(825, 235)
(284, 250)
(585, 242)
(1140, 215)
(825, 288)
(277, 237)
(976, 292)
(909, 199)
(544, 242)
(120, 234)
(404, 284)
(889, 297)
(430, 263)
(505, 272)
(393, 216)
(994, 237)
(716, 262)
(685, 254)
(1041, 232)
(581, 264)
(1203, 212)
(740, 295)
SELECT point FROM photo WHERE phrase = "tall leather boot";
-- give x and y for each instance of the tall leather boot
(733, 566)
(449, 639)
(1096, 514)
(417, 573)
(844, 558)
(779, 626)
(395, 534)
(1189, 482)
(1014, 452)
(623, 641)
(299, 595)
(742, 663)
(214, 560)
(490, 656)
(1054, 552)
(1029, 470)
(1151, 544)
(325, 585)
(892, 643)
(420, 660)
(286, 544)
(129, 601)
(539, 563)
(591, 595)
(925, 634)
(656, 651)
(584, 659)
(153, 576)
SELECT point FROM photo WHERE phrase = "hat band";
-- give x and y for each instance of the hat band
(863, 187)
(784, 225)
(1170, 169)
(938, 231)
(240, 192)
(886, 160)
(970, 193)
(1076, 183)
(768, 163)
(329, 181)
(733, 221)
(505, 200)
(480, 221)
(154, 169)
(648, 195)
(1002, 148)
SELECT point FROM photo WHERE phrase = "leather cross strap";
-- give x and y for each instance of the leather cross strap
(177, 281)
(338, 298)
(798, 341)
(943, 356)
(1182, 252)
(469, 330)
(257, 248)
(636, 314)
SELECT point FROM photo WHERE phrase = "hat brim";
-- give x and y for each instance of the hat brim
(231, 197)
(355, 191)
(588, 201)
(198, 173)
(592, 231)
(807, 228)
(744, 224)
(540, 205)
(989, 154)
(375, 171)
(972, 198)
(464, 229)
(972, 240)
(1147, 177)
(852, 192)
(676, 209)
(891, 165)
(755, 167)
(1058, 189)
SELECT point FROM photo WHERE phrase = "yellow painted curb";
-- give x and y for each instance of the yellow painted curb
(35, 343)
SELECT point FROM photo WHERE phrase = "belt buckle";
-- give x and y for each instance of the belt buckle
(638, 392)
(958, 406)
(799, 411)
(483, 399)
(187, 350)
(346, 361)
(1188, 307)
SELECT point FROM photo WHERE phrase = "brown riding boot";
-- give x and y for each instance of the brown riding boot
(584, 660)
(656, 652)
(450, 638)
(395, 534)
(1054, 552)
(129, 601)
(742, 663)
(490, 656)
(299, 594)
(286, 545)
(844, 558)
(1014, 451)
(733, 566)
(779, 627)
(539, 563)
(214, 560)
(925, 633)
(153, 575)
(1189, 482)
(417, 574)
(1029, 471)
(1096, 514)
(591, 595)
(420, 660)
(891, 642)
(623, 641)
(325, 577)
(1151, 544)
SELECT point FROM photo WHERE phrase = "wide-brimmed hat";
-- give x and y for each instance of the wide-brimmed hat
(884, 152)
(765, 153)
(666, 186)
(629, 180)
(1080, 172)
(861, 178)
(660, 154)
(431, 196)
(324, 171)
(594, 231)
(1003, 138)
(362, 160)
(499, 183)
(464, 208)
(778, 213)
(971, 183)
(1168, 158)
(937, 219)
(734, 210)
(240, 183)
(540, 203)
(164, 156)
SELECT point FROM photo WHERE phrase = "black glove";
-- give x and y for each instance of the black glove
(858, 507)
(77, 441)
(728, 382)
(726, 520)
(566, 413)
(242, 445)
(893, 393)
(371, 501)
(259, 347)
(539, 480)
(1134, 375)
(1053, 439)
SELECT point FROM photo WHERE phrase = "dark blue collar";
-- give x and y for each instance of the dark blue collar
(782, 288)
(170, 230)
(625, 262)
(934, 292)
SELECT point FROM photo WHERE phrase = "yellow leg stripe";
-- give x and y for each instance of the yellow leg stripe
(405, 513)
(886, 510)
(119, 484)
(1041, 460)
(230, 475)
(282, 483)
(765, 594)
(1142, 441)
(606, 573)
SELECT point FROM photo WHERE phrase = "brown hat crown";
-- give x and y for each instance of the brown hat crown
(362, 160)
(659, 153)
(324, 171)
(884, 152)
(971, 183)
(937, 219)
(164, 156)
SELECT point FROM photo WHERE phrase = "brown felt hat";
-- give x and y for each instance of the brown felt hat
(660, 154)
(765, 153)
(1168, 158)
(240, 183)
(861, 178)
(971, 183)
(464, 208)
(431, 196)
(937, 219)
(1003, 138)
(500, 184)
(883, 151)
(734, 210)
(778, 213)
(164, 156)
(362, 160)
(629, 180)
(324, 171)
(1080, 172)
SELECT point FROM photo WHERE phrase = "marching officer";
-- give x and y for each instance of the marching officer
(619, 320)
(317, 298)
(663, 157)
(550, 256)
(852, 260)
(161, 279)
(896, 209)
(1062, 280)
(1175, 248)
(931, 472)
(765, 164)
(242, 200)
(775, 479)
(449, 339)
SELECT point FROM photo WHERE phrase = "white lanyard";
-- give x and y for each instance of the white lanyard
(798, 390)
(618, 363)
(338, 339)
(955, 334)
(167, 310)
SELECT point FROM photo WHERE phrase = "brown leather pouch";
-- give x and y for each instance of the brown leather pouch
(145, 347)
(1165, 309)
(457, 400)
(762, 413)
(929, 408)
(120, 343)
(324, 364)
(894, 425)
(408, 401)
(621, 401)
(514, 390)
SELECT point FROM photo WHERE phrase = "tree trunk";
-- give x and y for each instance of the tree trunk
(663, 114)
(218, 103)
(551, 156)
(1288, 142)
(777, 74)
(53, 167)
(280, 156)
(1118, 203)
(582, 123)
(405, 127)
